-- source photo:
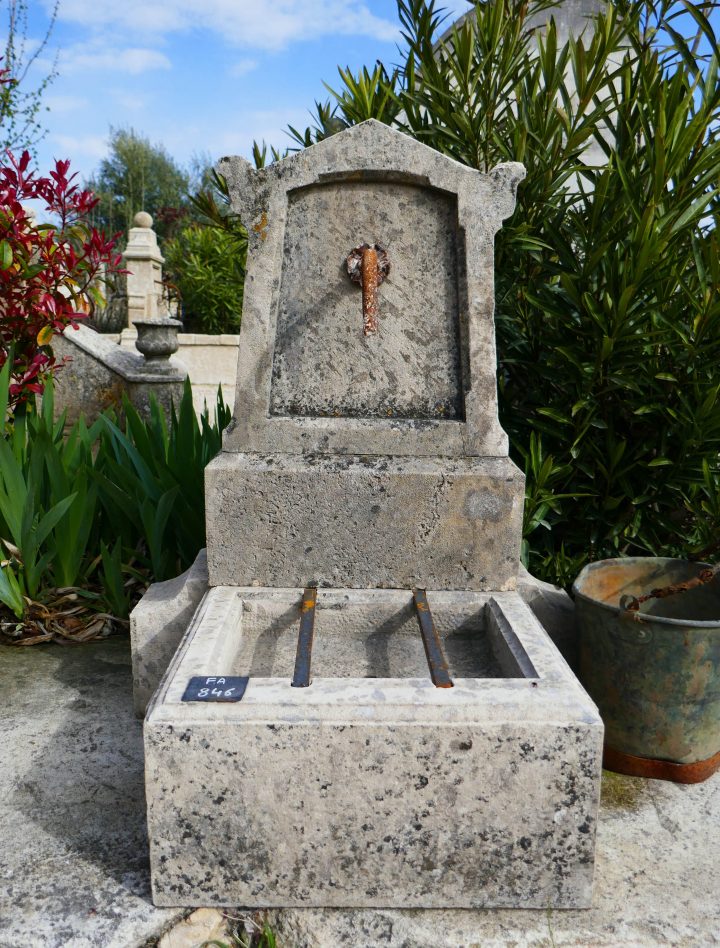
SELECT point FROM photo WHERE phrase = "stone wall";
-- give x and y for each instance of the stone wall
(98, 371)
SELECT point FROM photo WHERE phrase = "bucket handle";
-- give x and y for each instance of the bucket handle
(632, 603)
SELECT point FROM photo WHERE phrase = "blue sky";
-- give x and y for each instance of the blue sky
(202, 77)
(199, 76)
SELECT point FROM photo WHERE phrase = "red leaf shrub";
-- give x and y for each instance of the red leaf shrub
(46, 270)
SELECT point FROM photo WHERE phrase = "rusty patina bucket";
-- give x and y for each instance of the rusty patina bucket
(655, 673)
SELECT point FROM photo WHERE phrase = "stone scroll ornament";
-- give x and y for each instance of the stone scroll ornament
(368, 265)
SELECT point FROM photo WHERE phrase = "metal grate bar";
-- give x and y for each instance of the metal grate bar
(303, 656)
(437, 663)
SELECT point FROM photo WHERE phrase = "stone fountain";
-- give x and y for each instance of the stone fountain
(363, 711)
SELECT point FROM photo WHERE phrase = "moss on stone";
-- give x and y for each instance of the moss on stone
(619, 792)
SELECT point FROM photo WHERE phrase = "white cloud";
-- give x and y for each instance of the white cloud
(128, 61)
(85, 146)
(62, 104)
(264, 24)
(242, 67)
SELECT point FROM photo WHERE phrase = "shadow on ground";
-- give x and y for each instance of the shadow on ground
(73, 800)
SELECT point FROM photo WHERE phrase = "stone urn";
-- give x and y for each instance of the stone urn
(157, 339)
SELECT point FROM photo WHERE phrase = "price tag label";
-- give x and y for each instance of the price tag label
(228, 688)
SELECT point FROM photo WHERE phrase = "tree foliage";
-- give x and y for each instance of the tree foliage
(21, 107)
(205, 268)
(138, 176)
(205, 261)
(607, 304)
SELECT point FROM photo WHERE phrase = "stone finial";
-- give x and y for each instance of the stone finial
(143, 219)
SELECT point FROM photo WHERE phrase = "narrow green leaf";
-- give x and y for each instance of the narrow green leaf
(10, 591)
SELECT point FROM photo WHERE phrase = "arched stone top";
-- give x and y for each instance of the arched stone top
(370, 150)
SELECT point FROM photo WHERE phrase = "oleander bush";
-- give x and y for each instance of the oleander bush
(205, 269)
(205, 263)
(607, 303)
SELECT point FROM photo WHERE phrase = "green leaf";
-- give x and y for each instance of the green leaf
(113, 581)
(555, 415)
(4, 392)
(10, 591)
(6, 255)
(13, 491)
(51, 519)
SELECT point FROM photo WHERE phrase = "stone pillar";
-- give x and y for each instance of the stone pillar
(143, 260)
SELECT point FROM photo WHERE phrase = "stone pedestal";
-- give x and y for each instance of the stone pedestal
(143, 260)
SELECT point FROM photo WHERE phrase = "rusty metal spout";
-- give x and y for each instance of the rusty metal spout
(368, 265)
(370, 290)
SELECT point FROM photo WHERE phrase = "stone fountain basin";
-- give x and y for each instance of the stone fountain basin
(371, 787)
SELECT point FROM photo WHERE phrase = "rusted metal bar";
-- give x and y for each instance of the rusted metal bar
(437, 663)
(369, 265)
(303, 656)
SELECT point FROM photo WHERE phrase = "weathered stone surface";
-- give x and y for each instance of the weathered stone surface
(437, 219)
(363, 521)
(161, 618)
(373, 790)
(555, 611)
(203, 925)
(657, 882)
(74, 869)
(143, 260)
(158, 622)
(157, 340)
(75, 873)
(323, 365)
(363, 461)
(98, 371)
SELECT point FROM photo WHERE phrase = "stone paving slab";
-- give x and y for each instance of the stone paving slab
(74, 866)
(74, 869)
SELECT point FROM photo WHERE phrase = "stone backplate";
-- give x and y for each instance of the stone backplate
(308, 379)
